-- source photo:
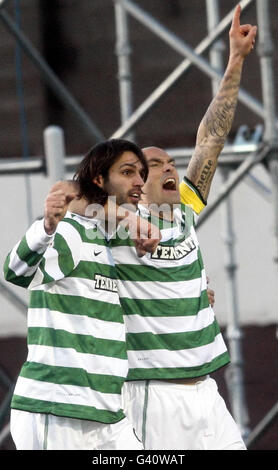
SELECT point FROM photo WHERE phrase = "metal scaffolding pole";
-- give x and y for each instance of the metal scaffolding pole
(4, 434)
(123, 51)
(266, 51)
(51, 79)
(55, 153)
(192, 58)
(234, 372)
(234, 179)
(231, 155)
(262, 426)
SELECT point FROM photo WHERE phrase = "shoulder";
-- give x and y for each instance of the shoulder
(84, 228)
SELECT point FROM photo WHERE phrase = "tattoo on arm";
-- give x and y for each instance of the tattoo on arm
(205, 177)
(218, 119)
(212, 134)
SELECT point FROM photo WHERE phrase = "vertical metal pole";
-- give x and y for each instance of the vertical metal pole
(22, 113)
(234, 375)
(4, 434)
(123, 52)
(55, 153)
(216, 49)
(265, 51)
(234, 372)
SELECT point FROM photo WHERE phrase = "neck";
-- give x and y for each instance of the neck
(78, 206)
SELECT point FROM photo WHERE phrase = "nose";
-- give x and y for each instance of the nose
(167, 167)
(138, 180)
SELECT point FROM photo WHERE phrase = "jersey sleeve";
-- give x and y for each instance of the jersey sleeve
(190, 196)
(39, 258)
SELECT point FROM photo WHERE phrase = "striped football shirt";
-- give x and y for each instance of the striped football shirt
(172, 331)
(77, 359)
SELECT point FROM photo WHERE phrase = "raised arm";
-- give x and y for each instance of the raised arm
(217, 122)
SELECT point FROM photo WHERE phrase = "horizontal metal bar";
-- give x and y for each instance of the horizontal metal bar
(231, 154)
(234, 180)
(9, 166)
(227, 150)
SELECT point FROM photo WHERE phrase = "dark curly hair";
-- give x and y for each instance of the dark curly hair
(98, 161)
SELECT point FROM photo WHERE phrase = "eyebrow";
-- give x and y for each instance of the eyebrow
(159, 160)
(133, 165)
(128, 164)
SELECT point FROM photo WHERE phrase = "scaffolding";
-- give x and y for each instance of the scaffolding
(235, 162)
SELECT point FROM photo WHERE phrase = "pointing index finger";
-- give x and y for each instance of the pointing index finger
(236, 18)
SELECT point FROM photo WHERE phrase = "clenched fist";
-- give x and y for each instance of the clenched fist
(56, 204)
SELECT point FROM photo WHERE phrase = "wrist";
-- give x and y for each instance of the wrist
(49, 227)
(236, 59)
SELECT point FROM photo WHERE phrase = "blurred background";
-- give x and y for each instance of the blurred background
(74, 72)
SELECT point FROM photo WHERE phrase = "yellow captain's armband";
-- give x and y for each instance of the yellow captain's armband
(190, 195)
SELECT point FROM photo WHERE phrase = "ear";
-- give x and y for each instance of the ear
(99, 181)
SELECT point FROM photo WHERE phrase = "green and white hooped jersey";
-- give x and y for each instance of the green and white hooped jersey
(171, 328)
(77, 359)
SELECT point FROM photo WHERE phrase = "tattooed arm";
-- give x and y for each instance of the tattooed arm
(217, 122)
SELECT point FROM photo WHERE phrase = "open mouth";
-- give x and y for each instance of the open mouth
(170, 184)
(135, 196)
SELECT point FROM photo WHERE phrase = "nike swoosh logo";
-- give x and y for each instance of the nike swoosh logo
(96, 253)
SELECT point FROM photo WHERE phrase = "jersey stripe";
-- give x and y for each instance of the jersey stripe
(173, 307)
(189, 357)
(80, 343)
(71, 410)
(173, 290)
(64, 394)
(76, 305)
(72, 376)
(172, 324)
(79, 324)
(178, 372)
(64, 357)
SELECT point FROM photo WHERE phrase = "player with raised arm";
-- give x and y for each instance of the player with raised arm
(174, 341)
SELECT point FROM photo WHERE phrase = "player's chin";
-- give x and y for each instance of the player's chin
(133, 201)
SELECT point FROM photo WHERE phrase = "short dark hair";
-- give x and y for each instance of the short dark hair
(98, 161)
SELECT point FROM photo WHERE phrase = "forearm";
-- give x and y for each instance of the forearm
(22, 262)
(215, 127)
(217, 122)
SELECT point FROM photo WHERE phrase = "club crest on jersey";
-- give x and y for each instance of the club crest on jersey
(105, 283)
(167, 252)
